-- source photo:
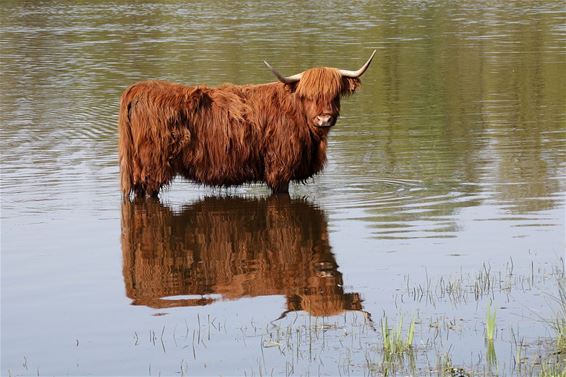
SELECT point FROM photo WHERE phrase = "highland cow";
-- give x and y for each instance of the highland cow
(229, 135)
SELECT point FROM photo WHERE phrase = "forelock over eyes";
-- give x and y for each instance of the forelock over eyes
(326, 83)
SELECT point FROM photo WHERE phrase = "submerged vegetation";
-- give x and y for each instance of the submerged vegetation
(429, 345)
(490, 324)
(449, 334)
(393, 341)
(559, 323)
(396, 348)
(454, 343)
(558, 368)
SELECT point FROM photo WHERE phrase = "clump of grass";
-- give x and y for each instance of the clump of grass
(490, 335)
(490, 324)
(552, 371)
(557, 367)
(490, 355)
(560, 323)
(393, 341)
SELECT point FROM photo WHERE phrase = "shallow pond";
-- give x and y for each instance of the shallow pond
(443, 196)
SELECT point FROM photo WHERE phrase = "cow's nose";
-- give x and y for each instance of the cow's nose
(325, 120)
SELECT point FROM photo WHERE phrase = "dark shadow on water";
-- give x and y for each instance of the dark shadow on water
(232, 248)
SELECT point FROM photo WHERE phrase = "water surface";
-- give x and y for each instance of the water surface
(448, 164)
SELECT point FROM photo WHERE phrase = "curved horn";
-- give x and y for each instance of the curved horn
(359, 72)
(283, 315)
(283, 79)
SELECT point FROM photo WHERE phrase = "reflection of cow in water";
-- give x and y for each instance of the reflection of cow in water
(233, 247)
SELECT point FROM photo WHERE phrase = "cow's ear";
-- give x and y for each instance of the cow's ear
(350, 85)
(292, 86)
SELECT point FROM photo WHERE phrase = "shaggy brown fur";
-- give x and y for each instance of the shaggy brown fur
(227, 135)
(234, 248)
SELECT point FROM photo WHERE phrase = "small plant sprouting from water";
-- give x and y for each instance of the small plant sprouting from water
(560, 322)
(393, 342)
(490, 324)
(490, 335)
(490, 355)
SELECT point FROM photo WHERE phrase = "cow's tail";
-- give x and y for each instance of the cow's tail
(126, 145)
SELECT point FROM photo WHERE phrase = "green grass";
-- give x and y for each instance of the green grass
(490, 324)
(393, 341)
(560, 322)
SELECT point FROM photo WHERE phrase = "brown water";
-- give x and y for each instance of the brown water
(450, 161)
